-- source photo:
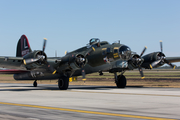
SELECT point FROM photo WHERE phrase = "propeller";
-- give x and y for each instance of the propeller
(81, 60)
(161, 59)
(41, 58)
(45, 61)
(137, 60)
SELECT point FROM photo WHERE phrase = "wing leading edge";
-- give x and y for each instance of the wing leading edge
(173, 59)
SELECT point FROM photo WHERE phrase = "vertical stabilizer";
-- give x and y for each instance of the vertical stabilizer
(23, 47)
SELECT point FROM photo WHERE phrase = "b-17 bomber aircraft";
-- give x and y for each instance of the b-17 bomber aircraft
(96, 56)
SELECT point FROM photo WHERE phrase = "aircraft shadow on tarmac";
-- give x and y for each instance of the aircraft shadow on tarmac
(55, 87)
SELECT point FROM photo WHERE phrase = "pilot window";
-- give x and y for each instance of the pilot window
(108, 50)
(94, 40)
(115, 50)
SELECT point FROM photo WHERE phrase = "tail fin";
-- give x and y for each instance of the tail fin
(23, 47)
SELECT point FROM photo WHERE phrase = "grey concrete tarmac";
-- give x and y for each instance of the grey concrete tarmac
(47, 102)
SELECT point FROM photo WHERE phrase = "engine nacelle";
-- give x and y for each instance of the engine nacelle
(72, 62)
(35, 59)
(135, 61)
(35, 75)
(150, 58)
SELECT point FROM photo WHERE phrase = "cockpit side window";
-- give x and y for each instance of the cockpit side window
(96, 45)
(115, 50)
(108, 50)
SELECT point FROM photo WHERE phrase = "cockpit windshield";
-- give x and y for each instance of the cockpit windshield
(124, 52)
(93, 40)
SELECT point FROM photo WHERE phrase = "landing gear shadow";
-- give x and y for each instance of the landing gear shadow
(86, 87)
(20, 87)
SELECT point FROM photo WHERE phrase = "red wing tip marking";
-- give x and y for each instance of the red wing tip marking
(12, 71)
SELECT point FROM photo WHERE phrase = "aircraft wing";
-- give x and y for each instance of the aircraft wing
(16, 65)
(11, 62)
(12, 65)
(173, 59)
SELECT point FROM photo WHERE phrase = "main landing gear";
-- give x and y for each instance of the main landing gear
(120, 81)
(35, 83)
(63, 83)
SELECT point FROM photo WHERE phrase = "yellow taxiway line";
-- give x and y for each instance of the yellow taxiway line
(85, 111)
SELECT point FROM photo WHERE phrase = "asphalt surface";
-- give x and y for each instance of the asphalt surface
(47, 102)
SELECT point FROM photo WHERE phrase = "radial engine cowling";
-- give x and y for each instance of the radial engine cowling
(72, 62)
(135, 61)
(152, 57)
(35, 59)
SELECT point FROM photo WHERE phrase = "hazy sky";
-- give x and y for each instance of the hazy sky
(69, 24)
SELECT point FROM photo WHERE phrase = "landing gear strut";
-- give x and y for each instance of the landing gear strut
(63, 83)
(35, 83)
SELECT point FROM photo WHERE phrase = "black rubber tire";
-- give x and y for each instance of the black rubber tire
(121, 82)
(35, 83)
(63, 83)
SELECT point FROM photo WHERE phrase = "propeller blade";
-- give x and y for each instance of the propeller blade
(143, 51)
(82, 60)
(83, 74)
(46, 63)
(44, 44)
(56, 53)
(155, 63)
(29, 61)
(170, 64)
(141, 73)
(161, 46)
(51, 69)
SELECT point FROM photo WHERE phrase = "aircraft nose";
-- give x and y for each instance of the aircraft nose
(125, 52)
